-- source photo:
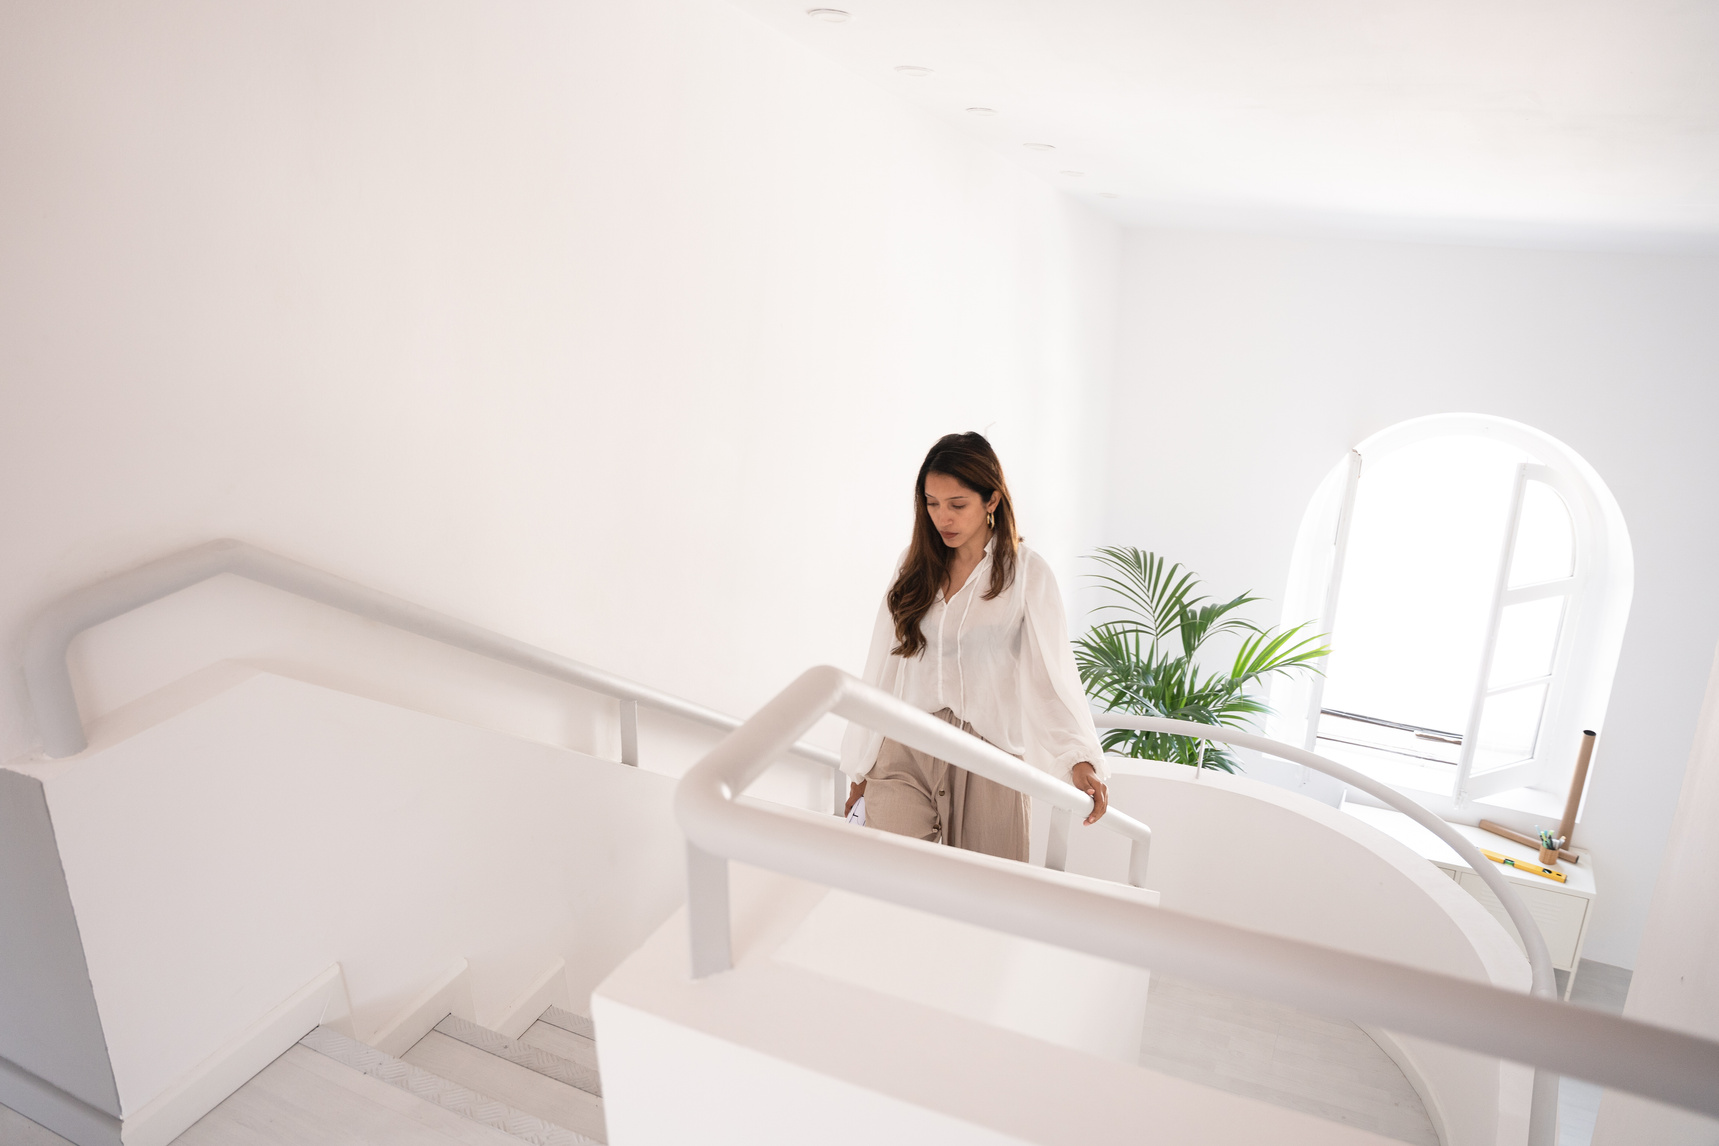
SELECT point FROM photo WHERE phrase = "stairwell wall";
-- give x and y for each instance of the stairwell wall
(617, 328)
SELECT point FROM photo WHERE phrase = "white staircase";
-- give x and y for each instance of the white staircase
(185, 875)
(459, 1083)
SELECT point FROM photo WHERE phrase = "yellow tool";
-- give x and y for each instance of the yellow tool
(1523, 865)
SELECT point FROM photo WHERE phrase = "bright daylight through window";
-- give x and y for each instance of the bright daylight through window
(1459, 582)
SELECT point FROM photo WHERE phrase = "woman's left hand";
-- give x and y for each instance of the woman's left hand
(1086, 779)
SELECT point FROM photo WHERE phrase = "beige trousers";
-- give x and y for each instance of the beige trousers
(912, 794)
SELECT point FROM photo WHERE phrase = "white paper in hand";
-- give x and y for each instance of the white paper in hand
(857, 816)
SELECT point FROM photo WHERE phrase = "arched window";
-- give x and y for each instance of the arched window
(1475, 576)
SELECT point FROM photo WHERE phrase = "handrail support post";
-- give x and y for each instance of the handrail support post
(1543, 1108)
(707, 912)
(1056, 847)
(630, 733)
(1139, 851)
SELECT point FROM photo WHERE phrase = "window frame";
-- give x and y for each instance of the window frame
(1597, 606)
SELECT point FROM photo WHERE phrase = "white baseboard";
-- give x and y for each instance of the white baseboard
(450, 994)
(47, 1105)
(549, 990)
(170, 1113)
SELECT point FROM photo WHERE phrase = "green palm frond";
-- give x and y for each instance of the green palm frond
(1153, 595)
(1144, 659)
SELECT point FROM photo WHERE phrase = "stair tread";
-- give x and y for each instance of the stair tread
(307, 1099)
(527, 1053)
(517, 1086)
(569, 1021)
(560, 1041)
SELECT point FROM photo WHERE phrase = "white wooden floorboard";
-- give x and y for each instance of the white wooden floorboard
(307, 1099)
(508, 1082)
(16, 1130)
(1280, 1055)
(564, 1043)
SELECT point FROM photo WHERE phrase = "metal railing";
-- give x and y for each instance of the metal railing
(722, 825)
(55, 701)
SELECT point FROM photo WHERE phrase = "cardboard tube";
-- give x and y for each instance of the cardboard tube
(1522, 838)
(1578, 783)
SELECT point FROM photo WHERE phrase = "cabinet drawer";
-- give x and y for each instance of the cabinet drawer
(1559, 916)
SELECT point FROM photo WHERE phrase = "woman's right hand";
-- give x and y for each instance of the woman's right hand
(855, 791)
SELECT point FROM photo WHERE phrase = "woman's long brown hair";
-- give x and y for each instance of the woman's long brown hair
(970, 460)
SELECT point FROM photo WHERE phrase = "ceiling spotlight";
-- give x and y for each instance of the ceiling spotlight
(913, 70)
(1072, 174)
(828, 15)
(1108, 195)
(1039, 146)
(981, 111)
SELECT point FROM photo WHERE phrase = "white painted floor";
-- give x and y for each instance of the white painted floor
(1277, 1054)
(1332, 1069)
(306, 1099)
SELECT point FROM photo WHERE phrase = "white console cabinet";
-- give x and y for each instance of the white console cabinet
(1563, 910)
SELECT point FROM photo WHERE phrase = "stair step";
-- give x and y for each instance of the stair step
(530, 1055)
(439, 1091)
(519, 1087)
(563, 1042)
(569, 1021)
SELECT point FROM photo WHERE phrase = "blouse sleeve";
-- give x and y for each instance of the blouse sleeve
(859, 743)
(1053, 703)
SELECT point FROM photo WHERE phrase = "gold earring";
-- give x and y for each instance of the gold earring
(990, 521)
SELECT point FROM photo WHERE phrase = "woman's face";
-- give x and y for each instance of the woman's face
(957, 513)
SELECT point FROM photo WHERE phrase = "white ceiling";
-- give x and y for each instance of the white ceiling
(1587, 121)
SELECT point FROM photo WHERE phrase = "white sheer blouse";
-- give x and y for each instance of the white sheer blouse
(1004, 666)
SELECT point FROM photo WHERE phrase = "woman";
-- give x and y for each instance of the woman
(972, 631)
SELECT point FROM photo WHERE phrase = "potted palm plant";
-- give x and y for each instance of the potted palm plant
(1144, 658)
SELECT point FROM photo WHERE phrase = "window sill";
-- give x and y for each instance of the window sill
(1532, 801)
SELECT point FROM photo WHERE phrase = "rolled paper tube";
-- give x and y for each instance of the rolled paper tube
(1578, 782)
(1500, 830)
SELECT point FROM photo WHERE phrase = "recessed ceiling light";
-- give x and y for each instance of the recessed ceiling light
(1108, 195)
(981, 111)
(1039, 146)
(828, 15)
(1073, 174)
(913, 70)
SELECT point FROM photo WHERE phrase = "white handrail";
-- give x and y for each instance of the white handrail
(1543, 1114)
(56, 703)
(720, 824)
(905, 724)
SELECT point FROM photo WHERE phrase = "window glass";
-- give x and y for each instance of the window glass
(1509, 726)
(1424, 546)
(1527, 639)
(1545, 539)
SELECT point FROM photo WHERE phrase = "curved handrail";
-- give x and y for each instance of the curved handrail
(56, 702)
(1543, 1115)
(720, 825)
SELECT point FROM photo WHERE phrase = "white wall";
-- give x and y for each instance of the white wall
(1249, 365)
(620, 328)
(390, 842)
(1676, 983)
